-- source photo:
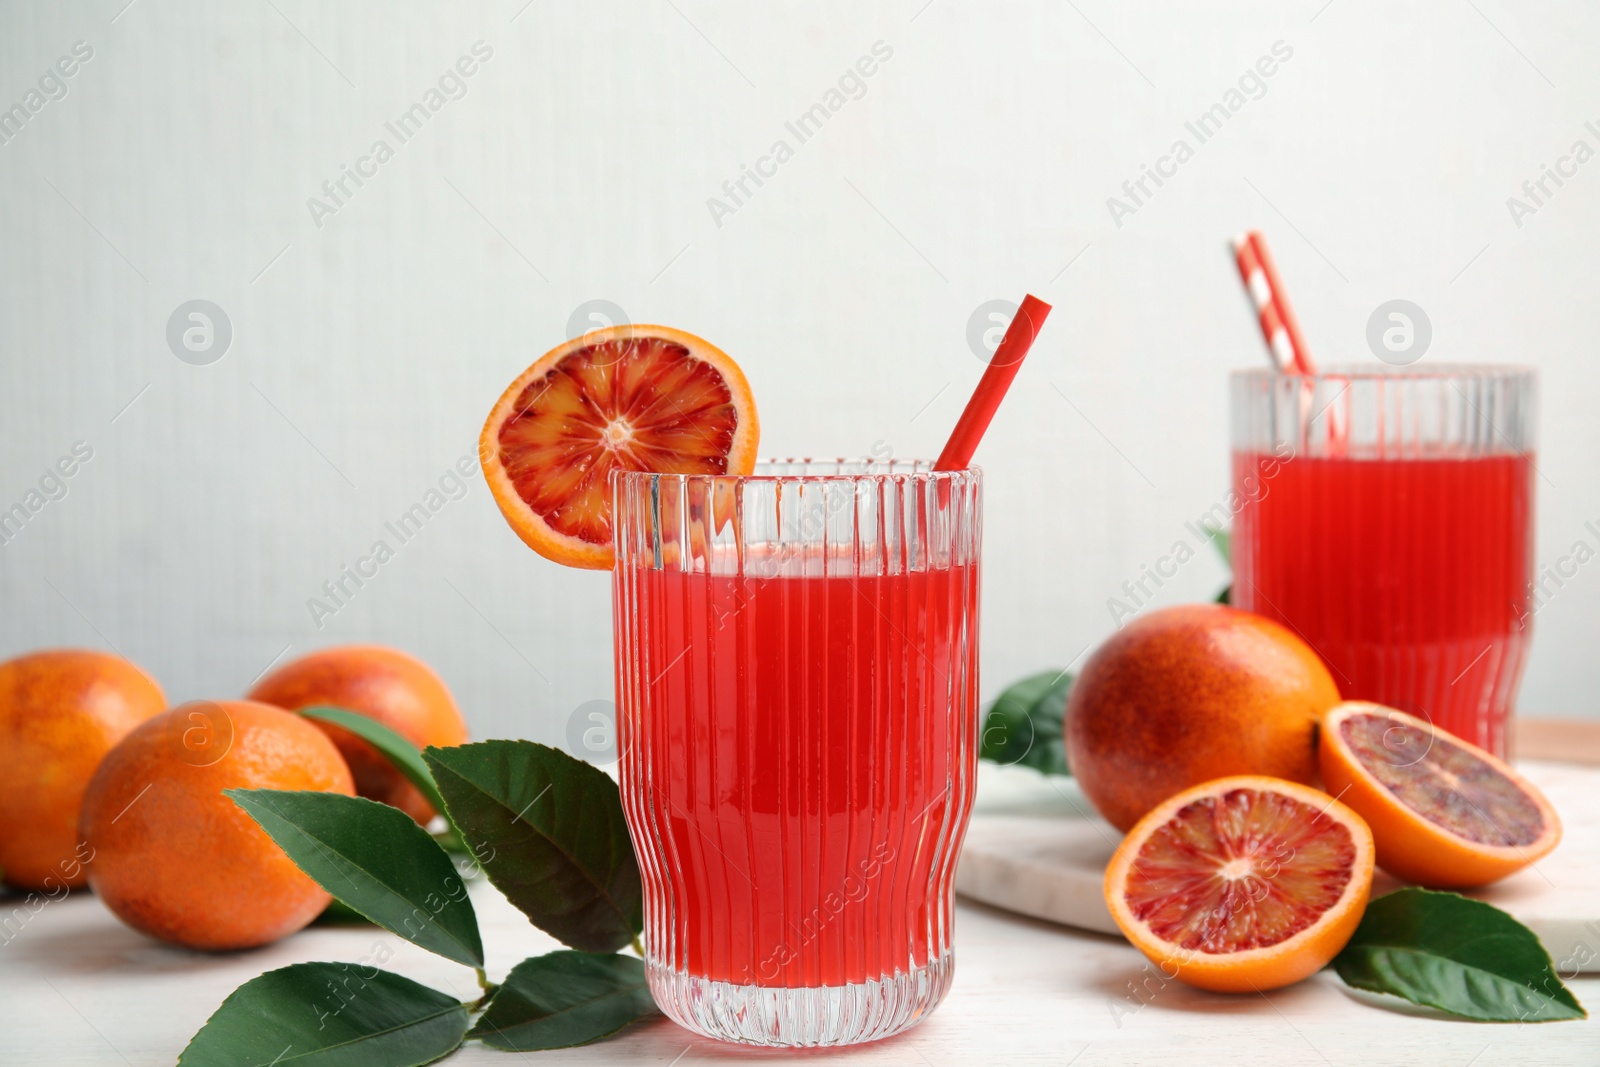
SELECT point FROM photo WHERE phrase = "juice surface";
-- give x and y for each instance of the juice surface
(796, 774)
(1409, 576)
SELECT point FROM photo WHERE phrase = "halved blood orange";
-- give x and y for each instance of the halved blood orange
(1242, 884)
(646, 398)
(1445, 813)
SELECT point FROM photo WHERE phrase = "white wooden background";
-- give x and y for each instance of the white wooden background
(975, 164)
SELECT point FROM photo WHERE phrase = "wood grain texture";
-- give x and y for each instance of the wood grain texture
(77, 989)
(1562, 740)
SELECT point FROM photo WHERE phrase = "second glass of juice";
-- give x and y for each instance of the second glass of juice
(1386, 515)
(797, 672)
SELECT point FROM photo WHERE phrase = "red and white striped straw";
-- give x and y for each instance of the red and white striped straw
(1285, 343)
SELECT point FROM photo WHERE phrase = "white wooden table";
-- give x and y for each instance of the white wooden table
(78, 988)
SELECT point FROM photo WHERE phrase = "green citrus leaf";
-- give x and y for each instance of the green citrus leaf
(376, 860)
(548, 831)
(1222, 540)
(329, 1015)
(1024, 724)
(1460, 956)
(337, 914)
(565, 998)
(396, 749)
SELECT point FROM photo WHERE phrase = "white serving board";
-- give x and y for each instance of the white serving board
(1036, 846)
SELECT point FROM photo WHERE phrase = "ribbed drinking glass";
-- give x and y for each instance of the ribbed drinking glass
(1386, 515)
(797, 678)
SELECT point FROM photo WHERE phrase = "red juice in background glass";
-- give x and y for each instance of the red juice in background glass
(797, 692)
(1395, 538)
(1425, 565)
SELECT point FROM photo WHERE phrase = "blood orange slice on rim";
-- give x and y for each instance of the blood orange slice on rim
(1445, 813)
(1242, 883)
(645, 398)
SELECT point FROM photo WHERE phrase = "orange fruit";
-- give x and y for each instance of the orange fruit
(1243, 884)
(644, 398)
(381, 683)
(61, 711)
(1187, 694)
(1445, 813)
(179, 861)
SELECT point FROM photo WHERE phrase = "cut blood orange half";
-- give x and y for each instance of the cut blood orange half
(1445, 813)
(643, 398)
(1242, 884)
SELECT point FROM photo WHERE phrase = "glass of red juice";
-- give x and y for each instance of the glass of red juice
(1386, 515)
(797, 680)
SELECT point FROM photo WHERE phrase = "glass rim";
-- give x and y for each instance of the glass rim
(1387, 372)
(877, 471)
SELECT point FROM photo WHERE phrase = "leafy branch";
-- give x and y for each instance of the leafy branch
(547, 830)
(1457, 955)
(1024, 724)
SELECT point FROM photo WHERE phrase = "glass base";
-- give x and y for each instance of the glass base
(804, 1017)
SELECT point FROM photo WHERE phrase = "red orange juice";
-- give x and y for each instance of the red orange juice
(806, 750)
(797, 672)
(1408, 575)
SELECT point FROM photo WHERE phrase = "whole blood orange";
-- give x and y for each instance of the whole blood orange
(1243, 884)
(385, 684)
(175, 858)
(644, 398)
(61, 711)
(1191, 693)
(1445, 813)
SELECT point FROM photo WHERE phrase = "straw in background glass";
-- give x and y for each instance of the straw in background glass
(1286, 345)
